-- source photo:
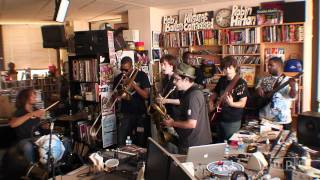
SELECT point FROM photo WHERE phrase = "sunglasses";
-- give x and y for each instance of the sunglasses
(124, 70)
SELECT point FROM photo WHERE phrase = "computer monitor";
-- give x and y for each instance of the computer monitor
(158, 161)
(177, 171)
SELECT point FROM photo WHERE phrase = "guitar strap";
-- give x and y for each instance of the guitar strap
(278, 82)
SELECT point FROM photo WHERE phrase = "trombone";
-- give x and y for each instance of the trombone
(123, 93)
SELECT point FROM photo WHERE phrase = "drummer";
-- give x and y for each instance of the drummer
(26, 119)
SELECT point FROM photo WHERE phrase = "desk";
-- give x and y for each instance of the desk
(201, 171)
(123, 172)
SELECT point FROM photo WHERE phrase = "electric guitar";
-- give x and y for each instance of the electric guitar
(217, 108)
(261, 102)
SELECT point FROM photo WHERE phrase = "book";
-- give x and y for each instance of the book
(248, 73)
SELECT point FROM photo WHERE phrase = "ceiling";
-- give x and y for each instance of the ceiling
(32, 11)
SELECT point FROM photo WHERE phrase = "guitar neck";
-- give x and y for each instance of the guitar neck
(284, 84)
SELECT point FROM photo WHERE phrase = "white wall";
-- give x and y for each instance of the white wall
(22, 44)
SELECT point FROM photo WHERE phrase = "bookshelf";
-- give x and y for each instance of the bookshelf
(250, 45)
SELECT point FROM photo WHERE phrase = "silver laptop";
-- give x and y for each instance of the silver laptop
(206, 153)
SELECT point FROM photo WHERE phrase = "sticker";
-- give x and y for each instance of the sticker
(189, 112)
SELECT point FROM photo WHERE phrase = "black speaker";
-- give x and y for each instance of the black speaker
(83, 43)
(100, 41)
(294, 11)
(53, 36)
(309, 129)
(91, 42)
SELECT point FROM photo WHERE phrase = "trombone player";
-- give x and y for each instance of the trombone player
(132, 111)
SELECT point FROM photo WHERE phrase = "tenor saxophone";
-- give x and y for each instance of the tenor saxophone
(164, 133)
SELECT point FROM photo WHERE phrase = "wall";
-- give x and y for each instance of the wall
(139, 18)
(22, 44)
(155, 15)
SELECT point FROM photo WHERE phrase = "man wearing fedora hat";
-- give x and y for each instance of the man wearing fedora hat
(193, 127)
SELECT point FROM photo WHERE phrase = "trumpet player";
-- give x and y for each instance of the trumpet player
(132, 112)
(172, 102)
(193, 126)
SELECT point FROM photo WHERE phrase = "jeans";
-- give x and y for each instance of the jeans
(28, 149)
(227, 129)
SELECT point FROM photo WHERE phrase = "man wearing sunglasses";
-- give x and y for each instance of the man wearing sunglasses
(193, 126)
(132, 112)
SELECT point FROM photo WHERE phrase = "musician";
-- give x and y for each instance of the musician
(133, 117)
(187, 59)
(229, 119)
(193, 127)
(172, 102)
(279, 108)
(25, 120)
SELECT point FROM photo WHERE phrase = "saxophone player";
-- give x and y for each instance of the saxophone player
(172, 102)
(193, 126)
(132, 116)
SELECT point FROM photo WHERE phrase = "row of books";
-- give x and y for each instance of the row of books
(85, 70)
(239, 36)
(90, 92)
(83, 129)
(270, 53)
(191, 38)
(250, 49)
(285, 33)
(248, 59)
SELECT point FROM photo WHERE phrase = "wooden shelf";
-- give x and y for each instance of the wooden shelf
(284, 42)
(283, 24)
(241, 54)
(241, 27)
(248, 44)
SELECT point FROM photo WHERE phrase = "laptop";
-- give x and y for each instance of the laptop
(206, 153)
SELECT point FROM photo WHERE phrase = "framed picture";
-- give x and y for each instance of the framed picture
(156, 54)
(183, 13)
(155, 38)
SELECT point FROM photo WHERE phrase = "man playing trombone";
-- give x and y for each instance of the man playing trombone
(132, 86)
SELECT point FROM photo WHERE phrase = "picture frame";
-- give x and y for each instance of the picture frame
(183, 13)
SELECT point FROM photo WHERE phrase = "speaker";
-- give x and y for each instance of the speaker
(309, 129)
(83, 43)
(294, 11)
(100, 41)
(91, 42)
(53, 36)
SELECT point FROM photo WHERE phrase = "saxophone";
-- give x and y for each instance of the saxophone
(165, 134)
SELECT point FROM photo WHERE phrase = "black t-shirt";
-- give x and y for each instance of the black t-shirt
(231, 114)
(25, 130)
(137, 104)
(193, 106)
(174, 111)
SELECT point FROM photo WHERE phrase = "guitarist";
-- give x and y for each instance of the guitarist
(232, 100)
(278, 109)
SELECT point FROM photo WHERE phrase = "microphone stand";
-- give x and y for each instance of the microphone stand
(50, 160)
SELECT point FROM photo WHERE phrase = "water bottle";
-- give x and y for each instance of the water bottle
(241, 146)
(226, 149)
(128, 141)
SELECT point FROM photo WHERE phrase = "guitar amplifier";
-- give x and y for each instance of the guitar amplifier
(309, 129)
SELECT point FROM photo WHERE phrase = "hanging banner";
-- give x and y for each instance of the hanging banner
(199, 21)
(242, 16)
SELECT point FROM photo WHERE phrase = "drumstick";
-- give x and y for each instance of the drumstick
(51, 105)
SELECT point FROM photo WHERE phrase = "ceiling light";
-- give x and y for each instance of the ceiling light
(61, 13)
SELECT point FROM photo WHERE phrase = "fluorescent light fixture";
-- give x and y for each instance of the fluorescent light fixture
(62, 11)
